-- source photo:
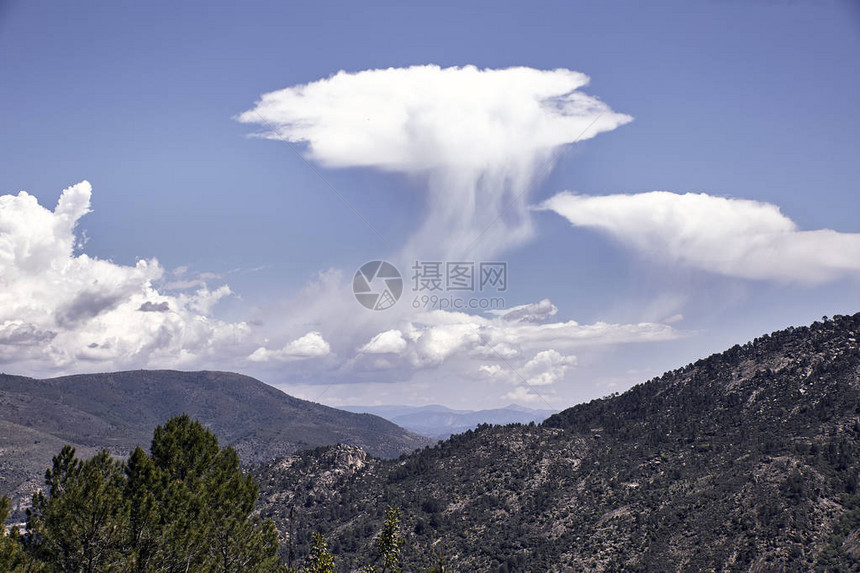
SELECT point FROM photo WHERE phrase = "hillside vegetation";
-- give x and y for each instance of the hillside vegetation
(744, 461)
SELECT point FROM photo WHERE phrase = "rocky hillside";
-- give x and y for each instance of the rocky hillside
(743, 461)
(119, 411)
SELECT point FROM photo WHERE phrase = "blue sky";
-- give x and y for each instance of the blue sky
(749, 101)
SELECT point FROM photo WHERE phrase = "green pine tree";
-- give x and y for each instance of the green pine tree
(187, 508)
(320, 559)
(182, 453)
(388, 545)
(206, 506)
(144, 493)
(79, 526)
(238, 542)
(13, 559)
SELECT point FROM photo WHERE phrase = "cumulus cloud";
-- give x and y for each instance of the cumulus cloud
(19, 333)
(59, 309)
(388, 342)
(545, 368)
(311, 345)
(481, 138)
(733, 237)
(414, 356)
(428, 339)
(492, 370)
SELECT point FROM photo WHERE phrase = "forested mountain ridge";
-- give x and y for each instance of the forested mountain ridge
(117, 411)
(744, 461)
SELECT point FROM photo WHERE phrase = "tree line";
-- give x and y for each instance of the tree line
(184, 507)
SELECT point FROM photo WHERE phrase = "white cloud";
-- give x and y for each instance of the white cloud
(388, 342)
(492, 370)
(546, 368)
(311, 345)
(203, 300)
(482, 138)
(428, 339)
(733, 237)
(523, 394)
(437, 356)
(64, 312)
(59, 310)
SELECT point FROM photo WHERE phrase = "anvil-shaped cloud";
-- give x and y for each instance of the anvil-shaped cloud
(482, 139)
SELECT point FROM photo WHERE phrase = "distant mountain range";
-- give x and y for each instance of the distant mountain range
(746, 461)
(440, 422)
(119, 411)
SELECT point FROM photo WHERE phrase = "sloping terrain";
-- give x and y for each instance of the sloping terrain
(120, 410)
(744, 461)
